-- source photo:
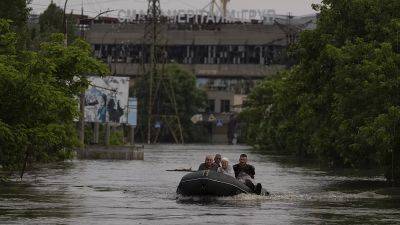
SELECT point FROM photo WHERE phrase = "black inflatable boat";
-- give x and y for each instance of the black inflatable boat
(210, 183)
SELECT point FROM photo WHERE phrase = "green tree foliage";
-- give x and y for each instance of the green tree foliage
(15, 10)
(340, 102)
(29, 35)
(51, 21)
(190, 101)
(71, 64)
(37, 100)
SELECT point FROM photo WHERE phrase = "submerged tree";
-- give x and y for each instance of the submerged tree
(340, 102)
(37, 97)
(190, 100)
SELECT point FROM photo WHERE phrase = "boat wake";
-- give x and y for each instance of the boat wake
(331, 196)
(241, 199)
(252, 199)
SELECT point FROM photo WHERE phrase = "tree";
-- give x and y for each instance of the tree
(344, 88)
(190, 101)
(37, 96)
(51, 21)
(15, 10)
(71, 64)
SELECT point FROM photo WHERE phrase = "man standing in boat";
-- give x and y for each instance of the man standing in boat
(245, 172)
(208, 164)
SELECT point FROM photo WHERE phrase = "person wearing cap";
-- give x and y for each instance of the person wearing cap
(208, 164)
(225, 167)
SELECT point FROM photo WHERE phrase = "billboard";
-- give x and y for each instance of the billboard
(106, 100)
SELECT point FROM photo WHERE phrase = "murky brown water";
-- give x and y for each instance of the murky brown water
(143, 192)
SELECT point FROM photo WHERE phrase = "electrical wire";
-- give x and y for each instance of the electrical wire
(90, 12)
(96, 6)
(185, 3)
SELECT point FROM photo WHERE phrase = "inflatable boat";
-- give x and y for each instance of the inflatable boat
(210, 183)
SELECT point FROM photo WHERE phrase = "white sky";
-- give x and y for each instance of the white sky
(93, 7)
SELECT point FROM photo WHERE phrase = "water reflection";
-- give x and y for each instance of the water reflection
(143, 192)
(35, 198)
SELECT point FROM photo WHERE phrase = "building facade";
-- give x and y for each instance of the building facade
(228, 60)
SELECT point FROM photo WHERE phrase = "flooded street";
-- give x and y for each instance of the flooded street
(143, 192)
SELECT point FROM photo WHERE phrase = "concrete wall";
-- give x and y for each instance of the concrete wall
(234, 34)
(201, 70)
(228, 34)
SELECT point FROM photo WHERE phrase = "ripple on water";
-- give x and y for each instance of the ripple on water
(250, 199)
(142, 192)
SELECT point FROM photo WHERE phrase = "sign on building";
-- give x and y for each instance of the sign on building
(220, 123)
(132, 111)
(106, 100)
(212, 118)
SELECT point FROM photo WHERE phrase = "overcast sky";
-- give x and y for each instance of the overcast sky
(93, 7)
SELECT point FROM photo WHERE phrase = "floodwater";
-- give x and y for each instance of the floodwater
(143, 192)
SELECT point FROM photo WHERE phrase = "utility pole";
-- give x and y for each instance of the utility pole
(82, 97)
(224, 4)
(212, 7)
(82, 94)
(152, 34)
(291, 29)
(158, 79)
(65, 24)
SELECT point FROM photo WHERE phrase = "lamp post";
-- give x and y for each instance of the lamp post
(82, 94)
(65, 24)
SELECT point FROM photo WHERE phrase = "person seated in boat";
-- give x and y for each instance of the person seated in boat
(245, 173)
(217, 160)
(225, 167)
(208, 164)
(242, 166)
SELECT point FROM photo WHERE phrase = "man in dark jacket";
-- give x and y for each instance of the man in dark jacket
(208, 164)
(243, 168)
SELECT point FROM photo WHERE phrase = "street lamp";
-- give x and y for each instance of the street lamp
(82, 95)
(65, 24)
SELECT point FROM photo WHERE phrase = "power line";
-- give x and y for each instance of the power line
(43, 7)
(68, 8)
(95, 5)
(112, 1)
(185, 3)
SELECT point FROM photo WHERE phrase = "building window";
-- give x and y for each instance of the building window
(211, 106)
(225, 106)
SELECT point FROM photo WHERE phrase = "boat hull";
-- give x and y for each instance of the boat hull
(210, 183)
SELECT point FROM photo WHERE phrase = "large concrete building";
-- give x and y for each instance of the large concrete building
(227, 59)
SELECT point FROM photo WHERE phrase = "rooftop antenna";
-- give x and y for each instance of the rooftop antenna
(213, 5)
(224, 4)
(291, 29)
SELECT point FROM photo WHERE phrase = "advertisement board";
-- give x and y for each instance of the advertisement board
(106, 100)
